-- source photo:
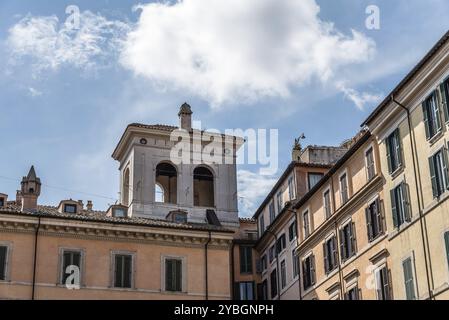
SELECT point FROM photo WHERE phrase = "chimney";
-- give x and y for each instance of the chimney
(185, 117)
(80, 202)
(89, 205)
(296, 151)
(30, 191)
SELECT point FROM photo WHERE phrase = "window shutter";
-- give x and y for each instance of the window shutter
(127, 271)
(369, 225)
(446, 241)
(326, 260)
(118, 272)
(406, 202)
(353, 239)
(386, 283)
(342, 245)
(379, 286)
(445, 167)
(379, 217)
(312, 269)
(237, 291)
(334, 251)
(394, 208)
(408, 279)
(444, 100)
(3, 252)
(398, 147)
(426, 118)
(389, 148)
(437, 119)
(178, 275)
(168, 275)
(433, 177)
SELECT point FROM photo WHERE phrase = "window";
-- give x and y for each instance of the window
(3, 262)
(203, 187)
(69, 258)
(306, 223)
(119, 212)
(246, 259)
(394, 152)
(283, 275)
(274, 284)
(272, 213)
(431, 112)
(370, 167)
(439, 173)
(327, 203)
(374, 220)
(279, 201)
(166, 183)
(383, 284)
(409, 281)
(344, 188)
(280, 244)
(122, 271)
(261, 225)
(2, 202)
(246, 290)
(70, 208)
(159, 193)
(263, 262)
(308, 267)
(400, 205)
(314, 178)
(271, 253)
(444, 90)
(180, 217)
(264, 291)
(292, 231)
(295, 263)
(127, 188)
(446, 242)
(330, 254)
(347, 241)
(352, 294)
(173, 275)
(291, 188)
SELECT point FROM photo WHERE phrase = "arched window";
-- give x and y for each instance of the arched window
(158, 193)
(203, 187)
(126, 188)
(167, 181)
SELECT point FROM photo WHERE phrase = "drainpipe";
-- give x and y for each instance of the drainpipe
(297, 246)
(423, 225)
(206, 267)
(36, 234)
(232, 270)
(277, 263)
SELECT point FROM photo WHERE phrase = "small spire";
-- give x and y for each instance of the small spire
(185, 109)
(31, 174)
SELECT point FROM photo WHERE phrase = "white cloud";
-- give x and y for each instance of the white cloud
(51, 44)
(34, 92)
(360, 99)
(235, 50)
(252, 187)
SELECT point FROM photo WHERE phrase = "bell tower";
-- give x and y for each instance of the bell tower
(30, 190)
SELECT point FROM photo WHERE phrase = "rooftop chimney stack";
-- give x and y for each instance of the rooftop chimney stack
(185, 117)
(89, 205)
(30, 191)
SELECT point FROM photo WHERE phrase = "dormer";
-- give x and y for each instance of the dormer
(117, 211)
(177, 216)
(3, 200)
(70, 206)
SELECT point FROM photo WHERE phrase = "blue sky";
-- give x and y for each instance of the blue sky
(311, 67)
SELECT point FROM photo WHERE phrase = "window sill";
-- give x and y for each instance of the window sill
(397, 172)
(436, 137)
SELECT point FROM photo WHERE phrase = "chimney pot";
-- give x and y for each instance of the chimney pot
(185, 117)
(89, 205)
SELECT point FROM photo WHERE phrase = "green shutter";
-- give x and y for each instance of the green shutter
(433, 177)
(398, 148)
(437, 119)
(408, 279)
(342, 245)
(444, 100)
(406, 202)
(394, 208)
(326, 260)
(445, 167)
(446, 241)
(118, 271)
(379, 217)
(127, 271)
(353, 238)
(388, 147)
(3, 252)
(369, 224)
(312, 269)
(426, 119)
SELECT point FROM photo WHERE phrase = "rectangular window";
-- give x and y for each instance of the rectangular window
(246, 259)
(374, 220)
(123, 271)
(69, 258)
(291, 188)
(314, 178)
(347, 241)
(280, 244)
(330, 254)
(295, 263)
(431, 113)
(292, 231)
(382, 284)
(2, 202)
(274, 284)
(271, 253)
(439, 175)
(370, 166)
(344, 188)
(409, 281)
(279, 202)
(272, 213)
(327, 204)
(264, 290)
(394, 151)
(263, 262)
(306, 224)
(352, 294)
(261, 225)
(400, 205)
(308, 267)
(70, 208)
(446, 242)
(173, 275)
(283, 275)
(246, 291)
(3, 261)
(444, 91)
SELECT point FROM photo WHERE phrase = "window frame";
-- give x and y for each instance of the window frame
(245, 267)
(309, 273)
(378, 271)
(291, 187)
(62, 251)
(370, 175)
(439, 187)
(133, 269)
(309, 174)
(398, 164)
(8, 258)
(292, 231)
(71, 205)
(328, 268)
(432, 118)
(405, 215)
(283, 267)
(271, 211)
(306, 225)
(411, 260)
(342, 198)
(274, 286)
(184, 274)
(345, 254)
(295, 264)
(327, 209)
(378, 217)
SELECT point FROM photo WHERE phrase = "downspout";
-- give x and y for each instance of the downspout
(423, 226)
(277, 263)
(206, 265)
(36, 234)
(297, 246)
(232, 270)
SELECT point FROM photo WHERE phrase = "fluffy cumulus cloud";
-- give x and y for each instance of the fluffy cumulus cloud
(252, 187)
(360, 99)
(48, 43)
(239, 50)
